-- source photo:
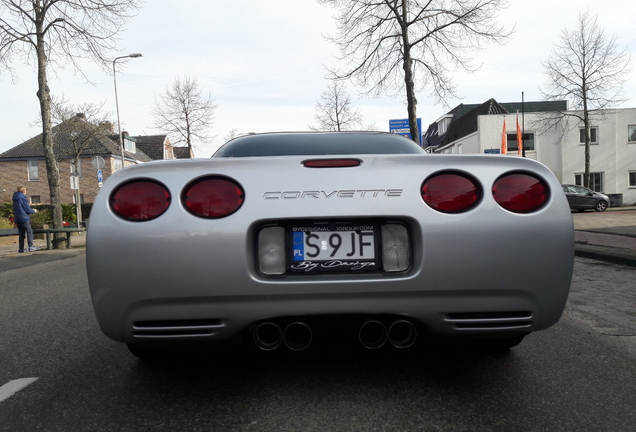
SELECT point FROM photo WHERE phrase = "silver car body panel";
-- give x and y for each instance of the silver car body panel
(179, 276)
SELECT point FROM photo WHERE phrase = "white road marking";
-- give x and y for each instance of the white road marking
(12, 387)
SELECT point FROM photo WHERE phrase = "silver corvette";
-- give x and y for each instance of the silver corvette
(281, 239)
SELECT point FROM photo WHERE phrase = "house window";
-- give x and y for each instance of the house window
(631, 133)
(130, 145)
(528, 142)
(460, 148)
(632, 179)
(593, 135)
(81, 199)
(596, 181)
(116, 164)
(79, 169)
(34, 173)
(442, 125)
(35, 199)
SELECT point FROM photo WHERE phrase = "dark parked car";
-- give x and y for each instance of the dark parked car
(581, 198)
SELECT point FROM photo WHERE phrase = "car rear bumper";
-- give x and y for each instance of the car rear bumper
(436, 313)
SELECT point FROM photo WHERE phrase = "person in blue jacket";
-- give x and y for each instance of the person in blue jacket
(21, 216)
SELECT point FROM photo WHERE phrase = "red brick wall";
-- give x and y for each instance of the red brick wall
(15, 173)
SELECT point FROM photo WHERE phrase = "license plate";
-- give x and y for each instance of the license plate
(342, 248)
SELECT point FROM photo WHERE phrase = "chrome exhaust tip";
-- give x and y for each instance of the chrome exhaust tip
(402, 334)
(268, 336)
(372, 334)
(297, 336)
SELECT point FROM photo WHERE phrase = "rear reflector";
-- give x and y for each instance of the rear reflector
(451, 192)
(212, 197)
(396, 248)
(331, 163)
(140, 200)
(520, 192)
(271, 251)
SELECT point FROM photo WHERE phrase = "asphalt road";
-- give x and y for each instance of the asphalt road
(580, 375)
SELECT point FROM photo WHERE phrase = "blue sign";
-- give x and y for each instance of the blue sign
(492, 151)
(99, 176)
(402, 127)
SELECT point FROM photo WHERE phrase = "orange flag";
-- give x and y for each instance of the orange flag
(504, 139)
(519, 139)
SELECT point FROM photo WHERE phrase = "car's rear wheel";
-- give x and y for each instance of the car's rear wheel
(601, 206)
(503, 343)
(146, 353)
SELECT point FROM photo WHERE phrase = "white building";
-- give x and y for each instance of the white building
(478, 129)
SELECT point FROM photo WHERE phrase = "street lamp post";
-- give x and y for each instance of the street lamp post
(121, 139)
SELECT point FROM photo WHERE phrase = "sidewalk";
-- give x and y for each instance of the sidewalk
(10, 259)
(608, 236)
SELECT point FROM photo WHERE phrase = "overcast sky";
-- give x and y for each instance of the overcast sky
(263, 61)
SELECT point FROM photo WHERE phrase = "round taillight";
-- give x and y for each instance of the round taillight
(140, 200)
(451, 192)
(520, 192)
(212, 197)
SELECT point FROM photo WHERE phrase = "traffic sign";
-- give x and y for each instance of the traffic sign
(402, 127)
(99, 176)
(98, 162)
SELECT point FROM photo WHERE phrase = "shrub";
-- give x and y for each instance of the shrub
(86, 210)
(5, 223)
(44, 216)
(44, 213)
(6, 210)
(68, 213)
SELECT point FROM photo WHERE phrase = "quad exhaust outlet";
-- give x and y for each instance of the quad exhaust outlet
(298, 336)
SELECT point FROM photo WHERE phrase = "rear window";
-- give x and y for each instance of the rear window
(318, 144)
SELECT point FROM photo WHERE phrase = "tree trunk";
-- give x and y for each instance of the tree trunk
(411, 100)
(52, 167)
(586, 125)
(78, 205)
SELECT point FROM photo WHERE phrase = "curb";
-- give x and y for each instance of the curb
(607, 254)
(15, 261)
(609, 231)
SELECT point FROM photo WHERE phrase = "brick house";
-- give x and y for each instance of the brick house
(94, 146)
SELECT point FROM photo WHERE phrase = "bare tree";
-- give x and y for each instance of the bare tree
(395, 45)
(334, 111)
(59, 33)
(233, 133)
(184, 112)
(587, 69)
(78, 127)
